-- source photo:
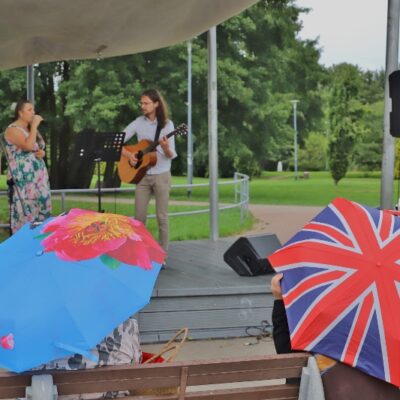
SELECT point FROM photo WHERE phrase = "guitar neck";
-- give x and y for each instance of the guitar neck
(153, 146)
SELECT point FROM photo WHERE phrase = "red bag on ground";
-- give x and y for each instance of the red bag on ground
(147, 356)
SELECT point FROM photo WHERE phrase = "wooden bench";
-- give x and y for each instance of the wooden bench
(185, 375)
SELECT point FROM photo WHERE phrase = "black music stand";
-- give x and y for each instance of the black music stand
(97, 147)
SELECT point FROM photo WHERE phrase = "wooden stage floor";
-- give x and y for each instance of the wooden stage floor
(200, 291)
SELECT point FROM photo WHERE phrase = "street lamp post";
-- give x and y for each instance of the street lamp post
(213, 131)
(294, 102)
(30, 83)
(189, 122)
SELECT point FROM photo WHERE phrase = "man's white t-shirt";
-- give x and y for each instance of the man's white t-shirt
(144, 128)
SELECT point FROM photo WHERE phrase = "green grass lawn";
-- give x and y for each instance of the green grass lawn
(270, 188)
(281, 188)
(189, 227)
(318, 190)
(181, 227)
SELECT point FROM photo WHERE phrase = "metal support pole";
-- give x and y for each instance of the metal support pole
(30, 84)
(62, 202)
(294, 102)
(98, 161)
(213, 132)
(189, 122)
(392, 56)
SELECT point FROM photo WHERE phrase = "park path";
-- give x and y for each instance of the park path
(282, 220)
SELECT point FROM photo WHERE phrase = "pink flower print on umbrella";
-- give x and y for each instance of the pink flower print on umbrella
(7, 342)
(84, 234)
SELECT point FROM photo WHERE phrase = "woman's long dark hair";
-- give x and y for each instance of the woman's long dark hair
(19, 106)
(162, 109)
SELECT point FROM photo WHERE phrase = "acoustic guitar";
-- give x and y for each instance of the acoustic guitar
(146, 157)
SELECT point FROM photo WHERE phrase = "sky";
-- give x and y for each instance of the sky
(352, 31)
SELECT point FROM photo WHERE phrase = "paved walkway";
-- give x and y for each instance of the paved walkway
(284, 221)
(219, 348)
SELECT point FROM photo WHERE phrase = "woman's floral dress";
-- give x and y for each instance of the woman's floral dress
(31, 181)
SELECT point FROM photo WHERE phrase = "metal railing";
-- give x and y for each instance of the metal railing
(241, 196)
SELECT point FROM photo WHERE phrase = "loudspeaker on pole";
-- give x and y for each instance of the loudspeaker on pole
(248, 255)
(394, 93)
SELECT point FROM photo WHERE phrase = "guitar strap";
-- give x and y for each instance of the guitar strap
(156, 137)
(158, 131)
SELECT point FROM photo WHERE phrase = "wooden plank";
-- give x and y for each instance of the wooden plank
(283, 392)
(12, 379)
(210, 276)
(191, 303)
(173, 369)
(245, 363)
(197, 279)
(163, 375)
(156, 382)
(198, 334)
(200, 319)
(276, 392)
(12, 392)
(198, 265)
(209, 290)
(13, 385)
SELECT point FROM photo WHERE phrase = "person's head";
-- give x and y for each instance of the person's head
(24, 111)
(153, 104)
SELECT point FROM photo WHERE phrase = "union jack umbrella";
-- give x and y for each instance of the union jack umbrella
(341, 287)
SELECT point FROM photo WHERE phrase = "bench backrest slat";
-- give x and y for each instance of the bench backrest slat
(161, 375)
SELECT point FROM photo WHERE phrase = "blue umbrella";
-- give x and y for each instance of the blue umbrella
(52, 305)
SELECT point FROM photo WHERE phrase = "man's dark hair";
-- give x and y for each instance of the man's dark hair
(162, 109)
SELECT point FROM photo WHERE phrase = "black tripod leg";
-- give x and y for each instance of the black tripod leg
(98, 186)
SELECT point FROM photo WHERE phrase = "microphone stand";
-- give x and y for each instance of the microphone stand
(98, 161)
(12, 186)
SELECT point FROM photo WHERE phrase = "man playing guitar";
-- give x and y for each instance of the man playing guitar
(157, 180)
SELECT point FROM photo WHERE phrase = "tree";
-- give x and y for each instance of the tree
(12, 89)
(368, 147)
(345, 111)
(314, 155)
(12, 85)
(367, 153)
(262, 65)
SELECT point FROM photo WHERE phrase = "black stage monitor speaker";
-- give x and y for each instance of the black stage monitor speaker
(394, 92)
(248, 255)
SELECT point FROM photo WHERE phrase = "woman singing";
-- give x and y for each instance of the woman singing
(30, 201)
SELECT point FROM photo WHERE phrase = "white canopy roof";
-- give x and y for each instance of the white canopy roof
(37, 31)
